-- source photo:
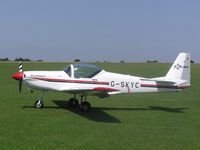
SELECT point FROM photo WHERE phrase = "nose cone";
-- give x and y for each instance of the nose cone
(18, 76)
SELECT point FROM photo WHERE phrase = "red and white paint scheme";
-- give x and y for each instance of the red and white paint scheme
(88, 79)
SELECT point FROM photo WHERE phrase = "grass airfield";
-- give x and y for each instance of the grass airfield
(154, 121)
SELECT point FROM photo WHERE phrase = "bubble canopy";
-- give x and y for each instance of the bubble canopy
(82, 70)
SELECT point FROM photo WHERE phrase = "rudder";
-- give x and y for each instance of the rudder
(180, 70)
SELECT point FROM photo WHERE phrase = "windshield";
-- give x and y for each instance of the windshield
(67, 70)
(86, 70)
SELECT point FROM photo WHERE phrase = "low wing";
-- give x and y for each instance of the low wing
(101, 92)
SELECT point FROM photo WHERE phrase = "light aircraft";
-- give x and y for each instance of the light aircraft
(87, 79)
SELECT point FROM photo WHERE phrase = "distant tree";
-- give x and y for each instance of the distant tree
(105, 61)
(5, 59)
(21, 59)
(148, 61)
(122, 61)
(97, 61)
(77, 60)
(155, 61)
(40, 60)
(192, 61)
(26, 59)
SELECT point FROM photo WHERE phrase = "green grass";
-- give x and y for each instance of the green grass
(140, 121)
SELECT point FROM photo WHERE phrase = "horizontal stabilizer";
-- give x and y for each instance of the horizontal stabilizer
(160, 81)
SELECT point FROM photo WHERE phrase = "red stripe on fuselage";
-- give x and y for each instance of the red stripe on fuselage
(105, 89)
(72, 81)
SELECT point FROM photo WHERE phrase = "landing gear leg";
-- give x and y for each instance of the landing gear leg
(39, 103)
(84, 105)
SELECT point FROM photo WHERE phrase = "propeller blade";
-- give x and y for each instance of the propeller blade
(20, 86)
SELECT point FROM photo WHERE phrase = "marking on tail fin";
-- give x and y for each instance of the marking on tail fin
(178, 66)
(186, 67)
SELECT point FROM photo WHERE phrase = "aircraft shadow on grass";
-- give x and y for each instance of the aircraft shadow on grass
(150, 108)
(95, 115)
(98, 114)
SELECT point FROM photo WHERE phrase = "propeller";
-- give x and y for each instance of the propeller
(20, 86)
(19, 76)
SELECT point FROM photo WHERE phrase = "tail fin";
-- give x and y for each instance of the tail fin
(180, 70)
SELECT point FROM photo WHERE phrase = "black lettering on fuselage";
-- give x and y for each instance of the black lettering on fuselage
(125, 84)
(137, 85)
(122, 84)
(132, 84)
(112, 83)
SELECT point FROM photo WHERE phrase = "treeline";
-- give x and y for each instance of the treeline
(18, 59)
(152, 61)
(22, 59)
(78, 60)
(4, 59)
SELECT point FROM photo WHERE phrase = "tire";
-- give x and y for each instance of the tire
(39, 104)
(73, 102)
(85, 106)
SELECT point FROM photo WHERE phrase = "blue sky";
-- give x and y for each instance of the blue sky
(114, 30)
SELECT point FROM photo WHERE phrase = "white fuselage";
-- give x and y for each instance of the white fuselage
(114, 83)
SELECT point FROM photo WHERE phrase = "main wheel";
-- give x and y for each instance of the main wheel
(85, 106)
(39, 104)
(73, 102)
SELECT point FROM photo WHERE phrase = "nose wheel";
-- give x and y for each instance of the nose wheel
(39, 104)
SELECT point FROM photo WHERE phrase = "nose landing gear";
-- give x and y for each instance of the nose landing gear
(39, 103)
